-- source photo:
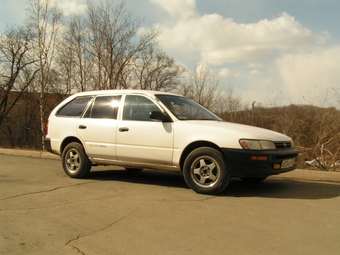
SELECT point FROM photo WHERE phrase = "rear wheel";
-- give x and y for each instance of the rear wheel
(205, 171)
(75, 162)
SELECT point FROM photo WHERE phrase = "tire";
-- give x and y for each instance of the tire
(253, 179)
(205, 171)
(75, 162)
(133, 170)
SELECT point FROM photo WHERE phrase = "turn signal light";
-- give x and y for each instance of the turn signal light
(277, 166)
(259, 158)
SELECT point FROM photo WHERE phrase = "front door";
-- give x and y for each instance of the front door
(140, 139)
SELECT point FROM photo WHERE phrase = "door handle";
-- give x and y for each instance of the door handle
(123, 129)
(82, 127)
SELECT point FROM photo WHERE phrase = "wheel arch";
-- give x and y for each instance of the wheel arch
(67, 141)
(194, 145)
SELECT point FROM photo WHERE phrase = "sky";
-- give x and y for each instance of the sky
(274, 52)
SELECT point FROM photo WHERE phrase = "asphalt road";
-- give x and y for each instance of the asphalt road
(42, 211)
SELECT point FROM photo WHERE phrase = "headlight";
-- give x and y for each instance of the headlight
(257, 145)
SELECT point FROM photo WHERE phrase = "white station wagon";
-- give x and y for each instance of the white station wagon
(139, 129)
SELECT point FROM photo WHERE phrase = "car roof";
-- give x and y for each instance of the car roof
(124, 91)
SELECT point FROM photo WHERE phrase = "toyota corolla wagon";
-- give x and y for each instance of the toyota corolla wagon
(139, 129)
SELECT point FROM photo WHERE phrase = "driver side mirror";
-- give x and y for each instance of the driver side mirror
(159, 116)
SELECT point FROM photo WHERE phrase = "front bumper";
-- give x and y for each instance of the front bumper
(253, 163)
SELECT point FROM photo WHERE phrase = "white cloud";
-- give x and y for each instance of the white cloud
(310, 74)
(71, 7)
(272, 60)
(224, 73)
(221, 40)
(182, 8)
(255, 72)
(254, 65)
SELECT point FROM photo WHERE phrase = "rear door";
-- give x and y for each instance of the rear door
(140, 139)
(98, 127)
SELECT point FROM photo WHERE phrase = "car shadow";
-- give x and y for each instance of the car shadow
(270, 188)
(151, 177)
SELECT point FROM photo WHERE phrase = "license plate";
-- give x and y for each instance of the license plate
(287, 163)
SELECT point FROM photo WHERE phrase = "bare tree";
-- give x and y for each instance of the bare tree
(114, 40)
(74, 61)
(202, 87)
(155, 70)
(229, 105)
(44, 18)
(15, 63)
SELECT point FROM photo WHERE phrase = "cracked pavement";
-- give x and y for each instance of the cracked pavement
(42, 211)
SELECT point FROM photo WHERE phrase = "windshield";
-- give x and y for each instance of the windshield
(186, 109)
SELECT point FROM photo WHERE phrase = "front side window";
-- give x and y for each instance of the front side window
(138, 108)
(75, 108)
(186, 109)
(104, 107)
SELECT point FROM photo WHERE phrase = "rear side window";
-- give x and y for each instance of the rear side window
(75, 108)
(104, 107)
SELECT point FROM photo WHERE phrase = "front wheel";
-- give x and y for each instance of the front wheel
(205, 171)
(75, 162)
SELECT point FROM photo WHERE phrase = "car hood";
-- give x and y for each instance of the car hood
(236, 130)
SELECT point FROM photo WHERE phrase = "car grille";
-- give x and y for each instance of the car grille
(283, 145)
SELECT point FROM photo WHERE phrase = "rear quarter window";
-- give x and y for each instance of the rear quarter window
(74, 108)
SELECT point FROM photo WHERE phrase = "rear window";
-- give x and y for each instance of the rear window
(75, 108)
